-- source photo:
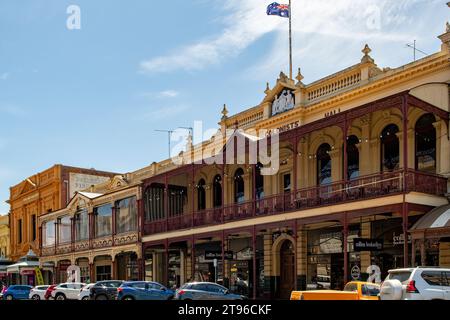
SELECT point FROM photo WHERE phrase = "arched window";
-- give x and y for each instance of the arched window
(323, 164)
(217, 191)
(352, 157)
(426, 143)
(201, 195)
(259, 182)
(239, 186)
(390, 148)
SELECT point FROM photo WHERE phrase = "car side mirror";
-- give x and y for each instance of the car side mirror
(226, 292)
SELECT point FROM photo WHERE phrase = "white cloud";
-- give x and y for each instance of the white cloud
(381, 21)
(162, 113)
(161, 94)
(4, 76)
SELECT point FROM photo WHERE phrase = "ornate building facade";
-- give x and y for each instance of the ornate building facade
(363, 154)
(41, 193)
(4, 237)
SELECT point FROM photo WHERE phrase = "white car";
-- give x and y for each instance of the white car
(85, 291)
(38, 293)
(67, 291)
(421, 283)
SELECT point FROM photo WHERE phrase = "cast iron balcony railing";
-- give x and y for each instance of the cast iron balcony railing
(362, 188)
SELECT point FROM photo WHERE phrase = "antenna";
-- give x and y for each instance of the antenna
(169, 132)
(413, 46)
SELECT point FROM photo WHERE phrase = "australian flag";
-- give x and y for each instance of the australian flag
(276, 9)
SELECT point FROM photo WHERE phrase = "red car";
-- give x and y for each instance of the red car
(48, 293)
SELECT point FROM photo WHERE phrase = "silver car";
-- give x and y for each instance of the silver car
(205, 291)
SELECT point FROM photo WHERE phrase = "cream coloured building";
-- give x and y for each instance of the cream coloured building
(364, 155)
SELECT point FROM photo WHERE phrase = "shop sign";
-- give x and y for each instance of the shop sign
(27, 272)
(361, 244)
(211, 255)
(245, 254)
(400, 239)
(356, 272)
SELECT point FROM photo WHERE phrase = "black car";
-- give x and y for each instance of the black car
(105, 290)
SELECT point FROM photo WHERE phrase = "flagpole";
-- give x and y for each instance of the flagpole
(290, 40)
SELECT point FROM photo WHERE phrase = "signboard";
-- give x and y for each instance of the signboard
(400, 239)
(356, 272)
(361, 244)
(211, 255)
(27, 272)
(79, 181)
(39, 278)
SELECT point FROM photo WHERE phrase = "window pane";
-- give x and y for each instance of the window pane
(126, 215)
(82, 226)
(49, 234)
(65, 227)
(433, 278)
(103, 220)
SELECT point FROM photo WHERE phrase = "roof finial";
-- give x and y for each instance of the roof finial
(224, 112)
(299, 76)
(367, 57)
(267, 88)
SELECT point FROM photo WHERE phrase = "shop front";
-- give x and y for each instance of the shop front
(127, 266)
(24, 271)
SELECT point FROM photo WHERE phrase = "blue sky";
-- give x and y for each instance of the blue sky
(93, 97)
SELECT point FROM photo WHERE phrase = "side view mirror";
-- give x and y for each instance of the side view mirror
(226, 292)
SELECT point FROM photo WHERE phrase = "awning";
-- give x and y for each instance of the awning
(21, 267)
(435, 219)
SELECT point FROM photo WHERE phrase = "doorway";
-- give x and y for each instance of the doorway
(287, 269)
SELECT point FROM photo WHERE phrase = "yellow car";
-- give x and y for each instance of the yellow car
(354, 290)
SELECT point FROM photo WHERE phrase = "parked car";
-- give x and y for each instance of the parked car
(354, 290)
(48, 293)
(67, 291)
(17, 292)
(421, 283)
(144, 290)
(105, 290)
(38, 293)
(85, 292)
(205, 291)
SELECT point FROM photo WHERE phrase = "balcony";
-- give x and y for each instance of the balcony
(363, 188)
(96, 243)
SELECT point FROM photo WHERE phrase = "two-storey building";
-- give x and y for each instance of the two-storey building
(363, 155)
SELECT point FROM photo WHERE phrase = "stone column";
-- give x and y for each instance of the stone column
(336, 165)
(444, 254)
(365, 256)
(365, 159)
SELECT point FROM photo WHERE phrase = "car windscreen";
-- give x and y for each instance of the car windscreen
(401, 276)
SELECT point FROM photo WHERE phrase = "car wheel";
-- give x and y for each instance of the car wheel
(36, 297)
(85, 298)
(9, 297)
(128, 298)
(101, 297)
(60, 296)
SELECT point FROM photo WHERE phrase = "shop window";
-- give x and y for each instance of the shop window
(390, 148)
(103, 220)
(201, 195)
(259, 182)
(426, 143)
(126, 215)
(217, 191)
(324, 164)
(64, 230)
(352, 157)
(81, 225)
(239, 186)
(103, 273)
